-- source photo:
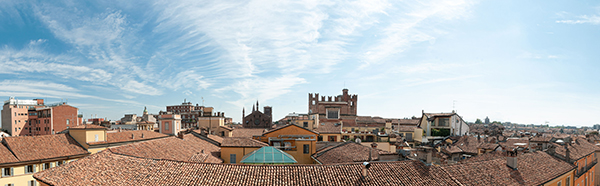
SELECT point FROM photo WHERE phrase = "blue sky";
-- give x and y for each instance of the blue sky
(519, 61)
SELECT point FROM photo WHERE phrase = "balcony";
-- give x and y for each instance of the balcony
(583, 170)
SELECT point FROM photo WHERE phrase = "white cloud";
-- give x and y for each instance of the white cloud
(415, 23)
(250, 39)
(584, 19)
(23, 88)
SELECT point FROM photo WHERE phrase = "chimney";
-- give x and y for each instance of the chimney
(132, 136)
(365, 167)
(142, 135)
(567, 154)
(119, 129)
(511, 159)
(374, 145)
(180, 135)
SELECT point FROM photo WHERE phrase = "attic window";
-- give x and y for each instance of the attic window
(333, 113)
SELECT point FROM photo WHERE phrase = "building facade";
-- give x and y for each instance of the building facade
(258, 119)
(333, 107)
(15, 114)
(51, 119)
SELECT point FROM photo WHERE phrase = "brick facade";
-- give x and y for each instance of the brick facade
(345, 103)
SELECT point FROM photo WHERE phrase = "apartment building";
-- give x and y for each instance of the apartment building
(15, 115)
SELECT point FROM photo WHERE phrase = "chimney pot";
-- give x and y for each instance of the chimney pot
(132, 136)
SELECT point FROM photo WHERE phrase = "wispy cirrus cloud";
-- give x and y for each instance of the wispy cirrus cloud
(413, 22)
(584, 19)
(25, 88)
(253, 41)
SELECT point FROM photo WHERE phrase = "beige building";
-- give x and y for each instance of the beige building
(22, 156)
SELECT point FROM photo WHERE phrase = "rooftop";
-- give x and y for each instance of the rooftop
(118, 169)
(27, 148)
(190, 148)
(345, 153)
(533, 169)
(247, 133)
(242, 142)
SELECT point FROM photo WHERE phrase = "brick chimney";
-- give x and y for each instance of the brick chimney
(374, 145)
(132, 136)
(180, 135)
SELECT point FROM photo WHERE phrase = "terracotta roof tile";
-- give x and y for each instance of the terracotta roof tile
(6, 156)
(190, 148)
(117, 170)
(242, 142)
(346, 153)
(247, 133)
(329, 128)
(27, 148)
(91, 126)
(578, 149)
(125, 136)
(533, 169)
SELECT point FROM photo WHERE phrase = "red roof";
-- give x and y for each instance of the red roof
(27, 148)
(242, 142)
(106, 168)
(190, 148)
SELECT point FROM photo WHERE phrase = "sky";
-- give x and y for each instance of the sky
(530, 62)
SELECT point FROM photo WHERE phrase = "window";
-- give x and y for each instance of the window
(409, 136)
(332, 113)
(232, 158)
(443, 122)
(166, 125)
(559, 183)
(96, 137)
(332, 138)
(306, 149)
(276, 144)
(31, 183)
(288, 145)
(59, 163)
(67, 121)
(568, 182)
(29, 169)
(305, 124)
(10, 184)
(7, 172)
(46, 166)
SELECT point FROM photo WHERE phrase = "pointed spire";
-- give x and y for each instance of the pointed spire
(257, 105)
(252, 108)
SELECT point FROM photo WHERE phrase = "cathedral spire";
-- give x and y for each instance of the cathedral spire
(252, 108)
(257, 105)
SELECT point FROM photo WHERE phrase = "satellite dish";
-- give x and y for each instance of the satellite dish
(367, 164)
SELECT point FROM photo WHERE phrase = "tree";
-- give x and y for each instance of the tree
(478, 121)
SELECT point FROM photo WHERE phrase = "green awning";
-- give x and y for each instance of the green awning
(268, 155)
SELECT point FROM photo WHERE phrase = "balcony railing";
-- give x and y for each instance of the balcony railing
(583, 170)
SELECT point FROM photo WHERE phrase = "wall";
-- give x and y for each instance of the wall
(326, 137)
(22, 179)
(381, 146)
(563, 179)
(213, 122)
(299, 155)
(238, 151)
(589, 175)
(60, 114)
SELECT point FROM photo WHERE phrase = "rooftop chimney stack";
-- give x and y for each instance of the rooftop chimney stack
(180, 135)
(132, 136)
(511, 159)
(119, 129)
(365, 167)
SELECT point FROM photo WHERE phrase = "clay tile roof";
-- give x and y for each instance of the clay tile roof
(485, 157)
(329, 128)
(190, 148)
(227, 128)
(242, 142)
(409, 121)
(406, 128)
(89, 126)
(125, 136)
(145, 122)
(6, 156)
(578, 149)
(451, 150)
(533, 169)
(288, 125)
(346, 153)
(247, 133)
(27, 148)
(106, 168)
(216, 138)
